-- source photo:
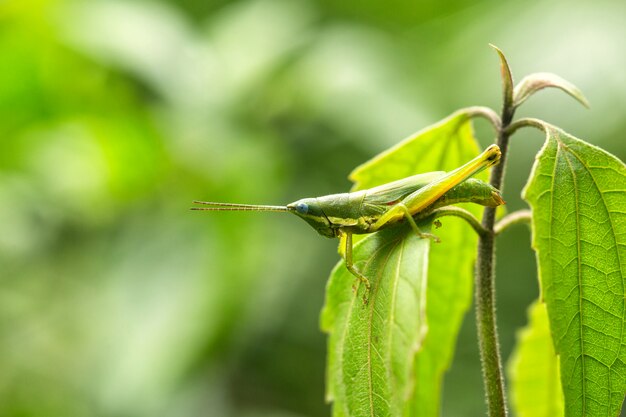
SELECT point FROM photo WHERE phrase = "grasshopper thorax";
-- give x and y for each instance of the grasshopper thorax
(310, 210)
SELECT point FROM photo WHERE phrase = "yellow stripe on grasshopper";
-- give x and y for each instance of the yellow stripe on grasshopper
(425, 196)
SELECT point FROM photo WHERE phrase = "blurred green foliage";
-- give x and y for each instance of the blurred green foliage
(115, 300)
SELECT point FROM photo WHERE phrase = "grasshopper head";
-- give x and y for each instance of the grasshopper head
(309, 209)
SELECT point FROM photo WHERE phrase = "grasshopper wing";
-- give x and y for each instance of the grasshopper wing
(381, 197)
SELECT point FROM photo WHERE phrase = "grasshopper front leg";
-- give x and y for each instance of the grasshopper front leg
(352, 269)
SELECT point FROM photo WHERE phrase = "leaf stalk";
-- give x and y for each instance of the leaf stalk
(517, 217)
(463, 214)
(525, 122)
(486, 113)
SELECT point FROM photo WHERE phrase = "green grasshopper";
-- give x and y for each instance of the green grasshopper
(368, 211)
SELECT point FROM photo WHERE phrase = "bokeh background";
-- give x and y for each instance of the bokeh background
(115, 300)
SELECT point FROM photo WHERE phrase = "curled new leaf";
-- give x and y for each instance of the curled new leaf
(535, 82)
(507, 78)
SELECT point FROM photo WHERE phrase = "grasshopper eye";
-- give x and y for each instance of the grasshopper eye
(302, 208)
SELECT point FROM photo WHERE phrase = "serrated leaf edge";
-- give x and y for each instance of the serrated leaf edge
(552, 132)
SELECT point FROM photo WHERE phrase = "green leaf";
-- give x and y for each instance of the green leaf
(449, 295)
(578, 197)
(532, 83)
(443, 146)
(372, 345)
(534, 369)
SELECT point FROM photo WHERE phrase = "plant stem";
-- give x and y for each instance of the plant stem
(485, 300)
(485, 271)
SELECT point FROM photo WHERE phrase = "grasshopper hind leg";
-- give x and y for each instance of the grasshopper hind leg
(350, 266)
(417, 230)
(396, 213)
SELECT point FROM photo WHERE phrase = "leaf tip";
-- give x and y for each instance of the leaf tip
(507, 77)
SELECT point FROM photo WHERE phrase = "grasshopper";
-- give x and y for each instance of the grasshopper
(368, 211)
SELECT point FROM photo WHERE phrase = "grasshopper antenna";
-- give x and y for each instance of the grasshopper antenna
(236, 207)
